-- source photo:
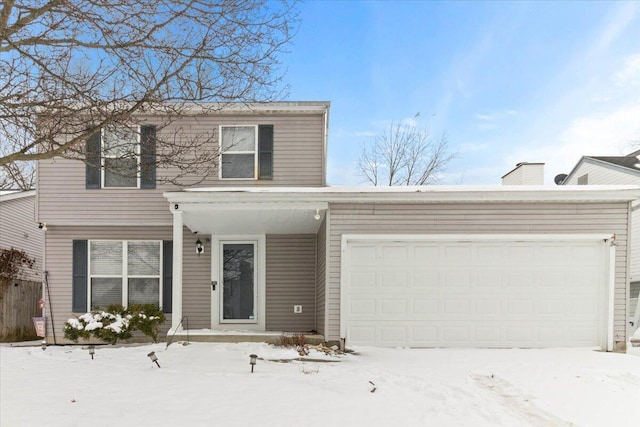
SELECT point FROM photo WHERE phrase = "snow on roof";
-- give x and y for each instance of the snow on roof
(407, 194)
(417, 189)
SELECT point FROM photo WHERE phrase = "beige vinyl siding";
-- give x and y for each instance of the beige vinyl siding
(321, 267)
(298, 156)
(489, 218)
(19, 229)
(59, 247)
(196, 281)
(291, 280)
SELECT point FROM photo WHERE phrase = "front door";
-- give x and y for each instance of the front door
(238, 261)
(238, 282)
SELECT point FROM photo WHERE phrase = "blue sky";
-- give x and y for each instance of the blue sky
(506, 81)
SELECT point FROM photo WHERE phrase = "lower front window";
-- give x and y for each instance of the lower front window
(125, 273)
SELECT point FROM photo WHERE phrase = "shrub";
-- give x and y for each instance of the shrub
(13, 262)
(115, 323)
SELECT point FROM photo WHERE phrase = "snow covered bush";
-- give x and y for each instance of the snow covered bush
(115, 323)
(147, 319)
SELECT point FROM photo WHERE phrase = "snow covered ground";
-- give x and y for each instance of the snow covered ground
(211, 384)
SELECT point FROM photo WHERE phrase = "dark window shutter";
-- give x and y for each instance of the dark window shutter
(167, 275)
(265, 152)
(93, 157)
(80, 276)
(147, 157)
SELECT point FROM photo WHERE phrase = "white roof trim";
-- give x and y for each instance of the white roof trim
(423, 194)
(251, 107)
(16, 195)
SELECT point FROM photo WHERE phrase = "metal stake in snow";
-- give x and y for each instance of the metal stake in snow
(153, 358)
(252, 361)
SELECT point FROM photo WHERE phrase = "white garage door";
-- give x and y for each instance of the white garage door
(482, 293)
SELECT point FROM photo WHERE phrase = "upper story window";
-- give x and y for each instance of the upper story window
(120, 157)
(246, 152)
(238, 146)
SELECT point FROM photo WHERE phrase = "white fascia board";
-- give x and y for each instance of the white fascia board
(256, 107)
(17, 195)
(430, 194)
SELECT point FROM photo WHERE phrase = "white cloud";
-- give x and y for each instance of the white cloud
(609, 134)
(629, 75)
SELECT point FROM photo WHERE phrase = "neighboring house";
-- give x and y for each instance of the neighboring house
(265, 245)
(19, 229)
(612, 170)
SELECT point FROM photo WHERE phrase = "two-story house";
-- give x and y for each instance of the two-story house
(263, 245)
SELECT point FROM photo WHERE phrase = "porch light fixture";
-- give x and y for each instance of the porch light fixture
(199, 246)
(153, 358)
(92, 351)
(317, 215)
(252, 361)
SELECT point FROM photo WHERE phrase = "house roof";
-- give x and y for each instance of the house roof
(630, 162)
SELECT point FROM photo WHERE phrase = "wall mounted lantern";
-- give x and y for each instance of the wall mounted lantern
(199, 245)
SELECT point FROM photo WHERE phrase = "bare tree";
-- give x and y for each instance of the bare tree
(404, 155)
(69, 68)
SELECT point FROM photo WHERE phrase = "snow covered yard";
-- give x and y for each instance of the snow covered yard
(211, 384)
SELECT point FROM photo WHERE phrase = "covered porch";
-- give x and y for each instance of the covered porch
(247, 268)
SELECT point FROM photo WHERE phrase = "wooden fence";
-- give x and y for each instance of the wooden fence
(18, 305)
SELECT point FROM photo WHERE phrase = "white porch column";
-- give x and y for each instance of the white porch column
(176, 296)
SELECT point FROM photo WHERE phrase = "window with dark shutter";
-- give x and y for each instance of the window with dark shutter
(167, 275)
(80, 276)
(121, 157)
(148, 157)
(93, 161)
(265, 152)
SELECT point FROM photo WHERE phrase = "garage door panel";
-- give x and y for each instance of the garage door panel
(426, 252)
(365, 280)
(422, 307)
(483, 294)
(425, 278)
(362, 254)
(395, 278)
(393, 254)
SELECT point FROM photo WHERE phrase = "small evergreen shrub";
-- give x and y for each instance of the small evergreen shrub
(115, 323)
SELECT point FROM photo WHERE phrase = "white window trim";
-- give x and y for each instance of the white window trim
(254, 152)
(124, 276)
(103, 157)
